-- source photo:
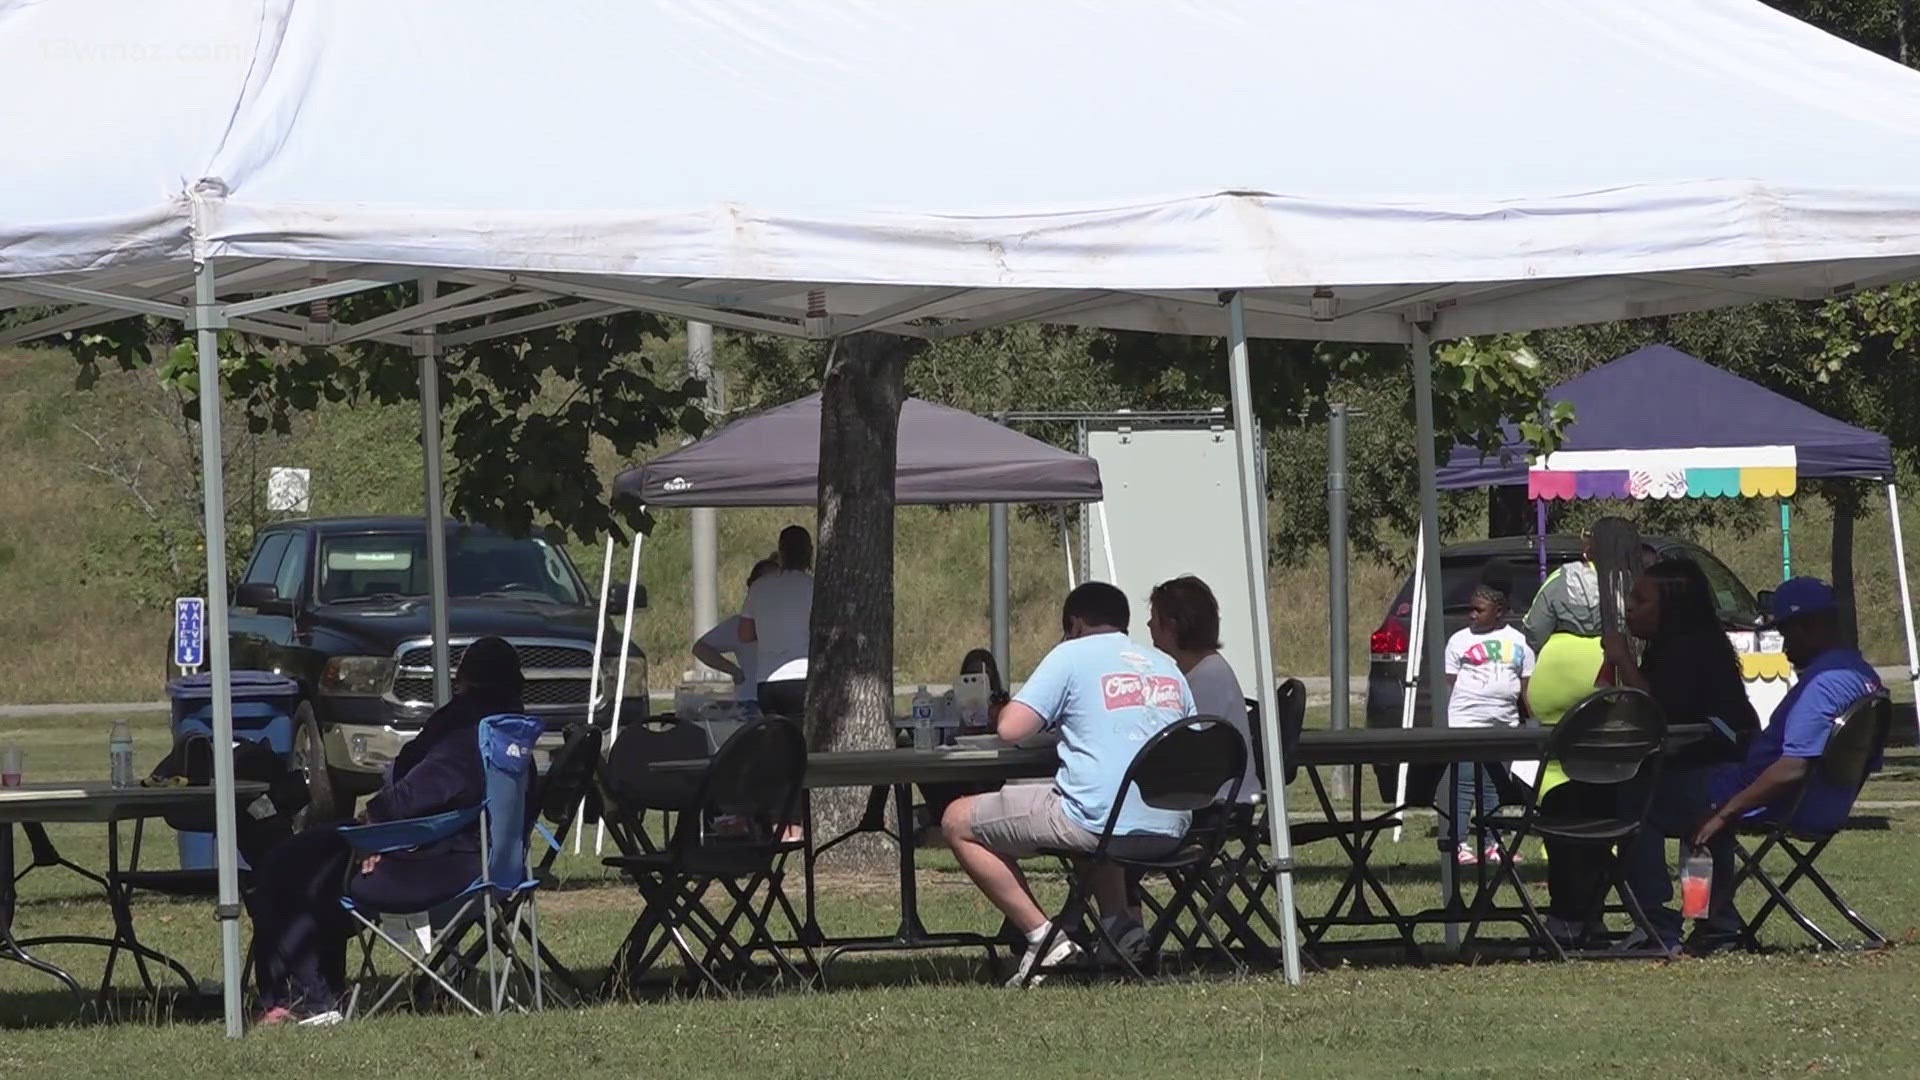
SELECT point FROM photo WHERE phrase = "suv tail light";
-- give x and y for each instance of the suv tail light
(1390, 641)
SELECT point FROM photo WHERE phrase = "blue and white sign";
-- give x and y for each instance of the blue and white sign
(189, 631)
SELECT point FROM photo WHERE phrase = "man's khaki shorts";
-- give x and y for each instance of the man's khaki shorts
(1022, 820)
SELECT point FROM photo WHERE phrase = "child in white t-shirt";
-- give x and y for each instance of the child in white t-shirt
(1488, 665)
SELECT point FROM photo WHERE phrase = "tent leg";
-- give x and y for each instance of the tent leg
(1540, 535)
(1000, 592)
(1431, 656)
(620, 681)
(208, 318)
(702, 522)
(1411, 680)
(1337, 659)
(1066, 546)
(1253, 515)
(594, 684)
(429, 348)
(1786, 540)
(1906, 594)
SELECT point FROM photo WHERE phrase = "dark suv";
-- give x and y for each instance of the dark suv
(342, 607)
(1514, 562)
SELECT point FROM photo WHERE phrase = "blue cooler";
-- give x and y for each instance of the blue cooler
(263, 705)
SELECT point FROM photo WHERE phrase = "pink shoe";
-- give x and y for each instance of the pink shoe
(1464, 855)
(274, 1017)
(1492, 855)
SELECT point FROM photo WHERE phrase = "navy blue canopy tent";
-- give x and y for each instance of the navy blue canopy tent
(1664, 404)
(1657, 423)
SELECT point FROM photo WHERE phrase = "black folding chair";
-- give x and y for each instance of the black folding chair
(1607, 739)
(1184, 767)
(730, 838)
(1250, 877)
(1853, 752)
(637, 803)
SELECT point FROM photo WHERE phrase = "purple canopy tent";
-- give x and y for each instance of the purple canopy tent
(1659, 424)
(946, 456)
(1665, 404)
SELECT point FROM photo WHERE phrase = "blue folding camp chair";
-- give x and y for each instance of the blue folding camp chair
(499, 904)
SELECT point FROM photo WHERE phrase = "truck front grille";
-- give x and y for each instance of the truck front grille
(532, 657)
(558, 674)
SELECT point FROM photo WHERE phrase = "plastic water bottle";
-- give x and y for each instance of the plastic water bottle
(120, 755)
(923, 733)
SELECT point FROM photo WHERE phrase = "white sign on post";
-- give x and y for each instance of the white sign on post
(289, 490)
(189, 633)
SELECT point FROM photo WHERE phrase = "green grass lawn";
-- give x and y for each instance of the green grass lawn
(1787, 1011)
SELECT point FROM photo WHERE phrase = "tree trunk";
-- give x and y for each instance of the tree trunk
(1845, 499)
(850, 675)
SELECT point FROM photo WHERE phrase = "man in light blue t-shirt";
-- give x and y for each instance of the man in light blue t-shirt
(1105, 695)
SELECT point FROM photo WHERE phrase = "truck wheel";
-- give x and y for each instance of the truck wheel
(310, 755)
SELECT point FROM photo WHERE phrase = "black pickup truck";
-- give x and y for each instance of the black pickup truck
(342, 607)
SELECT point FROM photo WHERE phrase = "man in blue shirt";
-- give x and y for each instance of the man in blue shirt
(1105, 695)
(1832, 676)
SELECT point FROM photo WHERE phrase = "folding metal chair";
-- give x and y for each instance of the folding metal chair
(1853, 752)
(1184, 766)
(727, 845)
(501, 901)
(638, 804)
(567, 784)
(1249, 877)
(1607, 739)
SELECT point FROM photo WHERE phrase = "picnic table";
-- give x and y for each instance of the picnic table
(891, 775)
(33, 806)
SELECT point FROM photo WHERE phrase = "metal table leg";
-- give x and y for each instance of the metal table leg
(10, 949)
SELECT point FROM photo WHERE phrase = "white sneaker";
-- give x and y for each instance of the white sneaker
(1063, 951)
(325, 1019)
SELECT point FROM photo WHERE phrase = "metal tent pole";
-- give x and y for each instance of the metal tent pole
(1906, 594)
(428, 345)
(620, 679)
(1253, 517)
(1337, 562)
(1540, 535)
(1786, 540)
(702, 523)
(1000, 593)
(208, 318)
(1066, 546)
(1432, 647)
(595, 680)
(1410, 679)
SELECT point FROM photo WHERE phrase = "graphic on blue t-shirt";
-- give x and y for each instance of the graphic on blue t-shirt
(1107, 695)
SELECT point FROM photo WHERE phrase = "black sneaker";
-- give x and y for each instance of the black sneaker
(1706, 942)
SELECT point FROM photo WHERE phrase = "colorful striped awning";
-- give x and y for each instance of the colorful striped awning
(1702, 472)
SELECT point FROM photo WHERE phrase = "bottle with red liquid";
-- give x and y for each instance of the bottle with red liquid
(1696, 883)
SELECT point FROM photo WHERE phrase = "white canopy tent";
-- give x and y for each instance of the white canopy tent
(1238, 167)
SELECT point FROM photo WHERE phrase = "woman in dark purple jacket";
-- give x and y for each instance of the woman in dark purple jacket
(300, 932)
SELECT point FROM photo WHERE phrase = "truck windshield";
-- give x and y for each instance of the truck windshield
(379, 566)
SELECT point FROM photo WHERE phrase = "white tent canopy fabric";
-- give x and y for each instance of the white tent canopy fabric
(1685, 153)
(1370, 170)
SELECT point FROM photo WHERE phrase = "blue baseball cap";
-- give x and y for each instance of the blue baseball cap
(1801, 596)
